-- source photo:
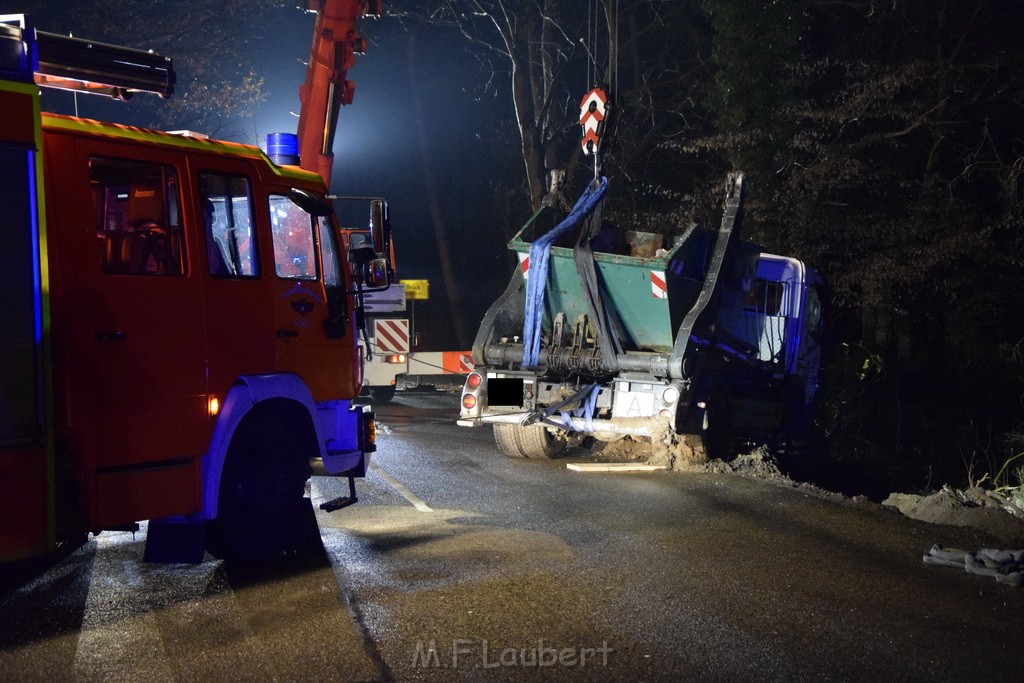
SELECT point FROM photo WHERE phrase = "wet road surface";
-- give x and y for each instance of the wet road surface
(461, 564)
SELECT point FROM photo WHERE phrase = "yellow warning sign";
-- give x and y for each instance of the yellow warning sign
(416, 289)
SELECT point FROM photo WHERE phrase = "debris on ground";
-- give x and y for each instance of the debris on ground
(675, 451)
(759, 462)
(973, 507)
(685, 453)
(1005, 566)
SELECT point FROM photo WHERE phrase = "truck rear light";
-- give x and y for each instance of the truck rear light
(369, 432)
(468, 401)
(474, 380)
(395, 358)
(213, 406)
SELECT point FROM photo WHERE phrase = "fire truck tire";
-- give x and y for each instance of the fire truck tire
(382, 394)
(533, 441)
(262, 510)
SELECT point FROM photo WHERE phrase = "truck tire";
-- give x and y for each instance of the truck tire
(262, 510)
(534, 441)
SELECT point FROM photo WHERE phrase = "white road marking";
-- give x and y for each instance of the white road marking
(416, 501)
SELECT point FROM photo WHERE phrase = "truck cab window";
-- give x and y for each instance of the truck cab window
(764, 297)
(138, 217)
(228, 225)
(294, 241)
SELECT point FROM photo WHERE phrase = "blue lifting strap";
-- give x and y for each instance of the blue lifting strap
(586, 411)
(537, 274)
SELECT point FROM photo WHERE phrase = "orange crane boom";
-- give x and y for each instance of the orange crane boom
(335, 44)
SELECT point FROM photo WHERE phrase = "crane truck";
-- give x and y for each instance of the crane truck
(705, 340)
(180, 319)
(335, 44)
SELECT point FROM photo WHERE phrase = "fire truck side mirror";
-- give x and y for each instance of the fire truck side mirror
(310, 203)
(376, 273)
(370, 270)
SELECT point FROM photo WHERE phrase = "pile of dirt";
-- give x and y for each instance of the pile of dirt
(623, 450)
(666, 449)
(683, 453)
(976, 508)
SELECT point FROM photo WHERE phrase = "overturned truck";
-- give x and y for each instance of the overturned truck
(705, 338)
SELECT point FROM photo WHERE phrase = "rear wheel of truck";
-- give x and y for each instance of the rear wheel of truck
(534, 441)
(262, 510)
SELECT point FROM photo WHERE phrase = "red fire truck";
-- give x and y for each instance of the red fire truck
(180, 323)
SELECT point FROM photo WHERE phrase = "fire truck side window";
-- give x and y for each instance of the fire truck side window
(138, 217)
(329, 254)
(294, 242)
(228, 225)
(334, 280)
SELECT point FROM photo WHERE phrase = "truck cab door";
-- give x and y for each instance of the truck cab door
(314, 336)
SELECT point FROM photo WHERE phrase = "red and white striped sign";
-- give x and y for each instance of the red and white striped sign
(658, 287)
(524, 263)
(391, 336)
(592, 112)
(459, 362)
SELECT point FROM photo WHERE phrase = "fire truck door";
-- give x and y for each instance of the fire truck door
(150, 349)
(314, 338)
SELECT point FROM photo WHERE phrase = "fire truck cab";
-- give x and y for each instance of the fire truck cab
(180, 339)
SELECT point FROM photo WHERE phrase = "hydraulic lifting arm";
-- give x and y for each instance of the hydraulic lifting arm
(335, 44)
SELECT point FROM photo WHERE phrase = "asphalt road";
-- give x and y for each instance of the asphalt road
(461, 564)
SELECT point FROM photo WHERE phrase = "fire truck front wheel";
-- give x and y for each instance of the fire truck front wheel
(262, 510)
(534, 441)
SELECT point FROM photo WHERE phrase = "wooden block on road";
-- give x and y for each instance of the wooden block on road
(614, 467)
